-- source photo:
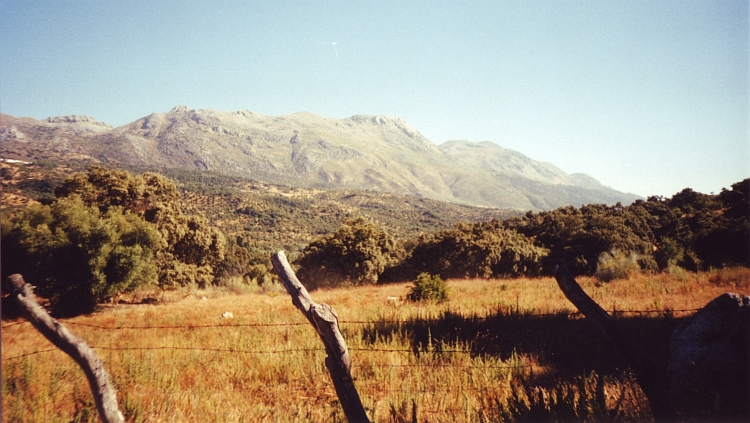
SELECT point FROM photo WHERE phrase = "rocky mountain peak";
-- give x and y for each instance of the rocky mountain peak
(80, 122)
(181, 108)
(72, 119)
(379, 153)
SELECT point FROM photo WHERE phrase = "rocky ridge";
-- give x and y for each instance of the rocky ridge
(378, 153)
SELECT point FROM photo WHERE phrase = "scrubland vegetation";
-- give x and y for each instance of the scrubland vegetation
(496, 350)
(498, 343)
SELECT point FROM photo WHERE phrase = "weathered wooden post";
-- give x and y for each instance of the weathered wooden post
(104, 393)
(652, 380)
(325, 321)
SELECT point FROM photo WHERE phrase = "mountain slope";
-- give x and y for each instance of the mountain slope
(375, 153)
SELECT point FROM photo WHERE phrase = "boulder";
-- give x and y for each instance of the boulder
(709, 366)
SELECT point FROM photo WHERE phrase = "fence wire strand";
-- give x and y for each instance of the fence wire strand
(365, 322)
(438, 350)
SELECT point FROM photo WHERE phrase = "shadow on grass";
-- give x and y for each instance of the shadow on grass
(569, 342)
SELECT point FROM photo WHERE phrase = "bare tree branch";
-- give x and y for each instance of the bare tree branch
(104, 393)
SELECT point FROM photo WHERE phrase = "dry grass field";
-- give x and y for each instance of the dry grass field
(498, 349)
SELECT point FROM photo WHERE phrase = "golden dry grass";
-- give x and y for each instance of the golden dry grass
(234, 371)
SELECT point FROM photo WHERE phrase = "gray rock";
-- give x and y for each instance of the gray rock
(709, 367)
(12, 134)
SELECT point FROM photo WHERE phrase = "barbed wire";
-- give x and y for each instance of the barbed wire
(227, 350)
(288, 350)
(463, 366)
(420, 391)
(437, 350)
(221, 350)
(364, 322)
(30, 353)
(188, 326)
(15, 324)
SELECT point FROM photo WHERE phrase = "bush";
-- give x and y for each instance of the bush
(677, 272)
(616, 265)
(357, 253)
(580, 236)
(482, 250)
(428, 288)
(78, 256)
(193, 248)
(669, 253)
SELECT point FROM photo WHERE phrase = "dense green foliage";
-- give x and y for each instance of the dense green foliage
(193, 247)
(106, 232)
(711, 230)
(475, 250)
(691, 230)
(216, 227)
(427, 287)
(77, 255)
(358, 252)
(580, 235)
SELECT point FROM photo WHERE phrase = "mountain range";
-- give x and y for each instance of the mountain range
(377, 153)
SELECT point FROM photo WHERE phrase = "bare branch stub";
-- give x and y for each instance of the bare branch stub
(325, 321)
(104, 393)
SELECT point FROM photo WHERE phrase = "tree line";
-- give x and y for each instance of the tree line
(690, 230)
(107, 231)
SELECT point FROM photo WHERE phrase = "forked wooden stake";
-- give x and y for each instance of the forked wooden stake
(325, 321)
(104, 393)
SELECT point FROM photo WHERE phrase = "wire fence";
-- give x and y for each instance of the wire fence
(407, 380)
(364, 322)
(440, 349)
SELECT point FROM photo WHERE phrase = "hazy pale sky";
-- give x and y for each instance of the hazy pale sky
(647, 97)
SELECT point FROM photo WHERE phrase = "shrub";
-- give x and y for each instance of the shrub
(669, 253)
(357, 253)
(78, 256)
(193, 248)
(428, 288)
(481, 250)
(677, 272)
(580, 236)
(616, 265)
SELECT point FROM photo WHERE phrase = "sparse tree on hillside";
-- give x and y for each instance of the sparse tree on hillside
(105, 188)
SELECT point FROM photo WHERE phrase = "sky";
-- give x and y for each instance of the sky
(648, 97)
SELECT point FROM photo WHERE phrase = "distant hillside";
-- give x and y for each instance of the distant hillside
(264, 217)
(375, 153)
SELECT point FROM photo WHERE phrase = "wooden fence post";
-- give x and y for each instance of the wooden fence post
(652, 380)
(325, 321)
(104, 393)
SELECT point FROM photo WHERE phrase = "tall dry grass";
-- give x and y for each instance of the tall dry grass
(484, 355)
